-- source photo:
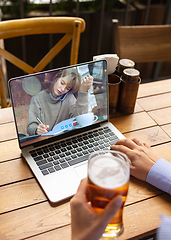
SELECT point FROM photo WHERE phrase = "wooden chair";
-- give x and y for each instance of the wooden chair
(143, 43)
(71, 27)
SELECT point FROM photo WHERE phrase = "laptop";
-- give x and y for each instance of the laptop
(75, 124)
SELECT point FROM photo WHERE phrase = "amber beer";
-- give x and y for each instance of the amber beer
(108, 176)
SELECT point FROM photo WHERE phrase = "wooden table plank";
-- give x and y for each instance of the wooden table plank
(24, 193)
(140, 190)
(133, 122)
(161, 116)
(33, 220)
(57, 234)
(152, 136)
(138, 108)
(6, 154)
(8, 131)
(134, 219)
(153, 88)
(155, 102)
(6, 115)
(14, 171)
(163, 151)
(167, 129)
(143, 218)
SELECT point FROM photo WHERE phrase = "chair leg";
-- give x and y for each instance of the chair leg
(75, 43)
(2, 91)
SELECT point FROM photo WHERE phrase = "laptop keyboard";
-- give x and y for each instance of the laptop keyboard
(60, 155)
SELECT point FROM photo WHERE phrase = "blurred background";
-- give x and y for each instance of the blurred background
(98, 35)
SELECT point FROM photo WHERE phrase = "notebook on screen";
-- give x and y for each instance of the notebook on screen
(61, 116)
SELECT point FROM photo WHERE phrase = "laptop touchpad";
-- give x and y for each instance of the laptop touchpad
(81, 170)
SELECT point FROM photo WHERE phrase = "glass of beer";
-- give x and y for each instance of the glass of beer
(108, 176)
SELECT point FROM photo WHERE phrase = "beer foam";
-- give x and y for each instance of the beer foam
(108, 172)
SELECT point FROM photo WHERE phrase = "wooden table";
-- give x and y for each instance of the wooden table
(25, 212)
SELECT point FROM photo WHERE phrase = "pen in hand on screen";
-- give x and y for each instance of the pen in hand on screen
(42, 123)
(39, 121)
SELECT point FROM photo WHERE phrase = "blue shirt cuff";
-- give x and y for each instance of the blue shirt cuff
(164, 231)
(160, 175)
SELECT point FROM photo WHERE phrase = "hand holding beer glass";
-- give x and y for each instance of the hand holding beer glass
(108, 176)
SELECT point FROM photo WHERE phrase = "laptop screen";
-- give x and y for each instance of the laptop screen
(54, 102)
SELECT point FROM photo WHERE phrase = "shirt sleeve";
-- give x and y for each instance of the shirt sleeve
(160, 175)
(164, 231)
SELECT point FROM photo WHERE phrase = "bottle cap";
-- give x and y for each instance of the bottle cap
(125, 63)
(131, 75)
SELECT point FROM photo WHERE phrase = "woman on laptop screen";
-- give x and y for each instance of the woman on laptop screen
(58, 102)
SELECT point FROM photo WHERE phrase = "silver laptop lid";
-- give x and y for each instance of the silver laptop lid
(53, 103)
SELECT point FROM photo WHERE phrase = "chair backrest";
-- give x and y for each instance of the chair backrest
(143, 43)
(71, 27)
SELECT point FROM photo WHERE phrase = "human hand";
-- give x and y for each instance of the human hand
(85, 223)
(86, 84)
(42, 129)
(140, 155)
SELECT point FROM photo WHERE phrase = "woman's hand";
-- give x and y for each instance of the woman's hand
(85, 223)
(86, 84)
(140, 155)
(42, 129)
